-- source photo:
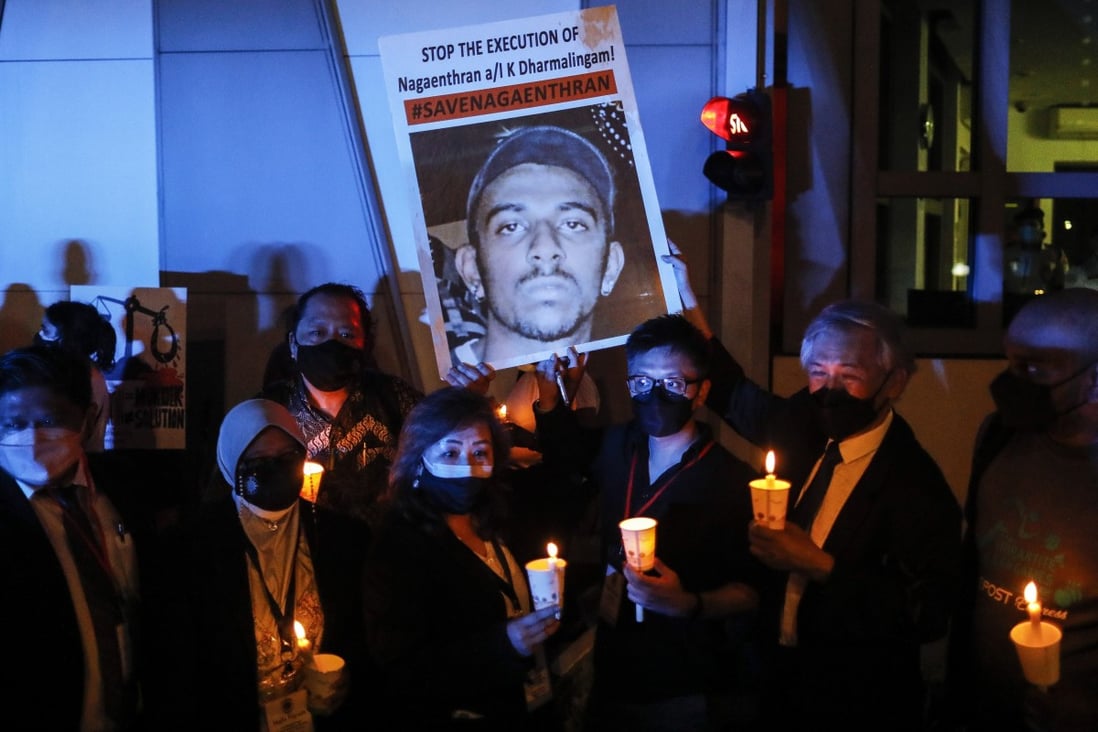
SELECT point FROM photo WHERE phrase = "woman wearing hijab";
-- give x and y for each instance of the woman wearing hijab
(255, 561)
(448, 611)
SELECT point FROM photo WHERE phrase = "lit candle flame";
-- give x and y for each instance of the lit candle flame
(1033, 607)
(501, 412)
(304, 645)
(552, 550)
(310, 485)
(770, 462)
(1031, 592)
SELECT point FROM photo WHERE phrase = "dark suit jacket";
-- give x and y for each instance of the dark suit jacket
(896, 545)
(204, 631)
(42, 679)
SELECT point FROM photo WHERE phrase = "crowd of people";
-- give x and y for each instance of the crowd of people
(397, 596)
(409, 563)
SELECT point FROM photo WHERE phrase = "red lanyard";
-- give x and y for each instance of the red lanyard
(650, 501)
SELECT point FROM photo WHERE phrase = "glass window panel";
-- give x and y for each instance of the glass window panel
(926, 86)
(924, 260)
(1053, 114)
(1051, 243)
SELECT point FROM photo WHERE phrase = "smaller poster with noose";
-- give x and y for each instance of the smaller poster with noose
(148, 380)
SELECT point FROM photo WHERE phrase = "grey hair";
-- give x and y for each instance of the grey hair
(846, 316)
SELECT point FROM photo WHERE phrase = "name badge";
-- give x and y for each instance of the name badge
(288, 713)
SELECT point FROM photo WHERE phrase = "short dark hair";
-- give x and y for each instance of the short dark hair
(670, 331)
(435, 416)
(82, 330)
(334, 289)
(1072, 312)
(846, 316)
(62, 372)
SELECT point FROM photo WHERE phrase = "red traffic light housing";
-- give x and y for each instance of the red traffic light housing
(745, 168)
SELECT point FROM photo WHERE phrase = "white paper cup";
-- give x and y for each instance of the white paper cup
(310, 485)
(638, 537)
(546, 582)
(770, 499)
(1038, 650)
(323, 676)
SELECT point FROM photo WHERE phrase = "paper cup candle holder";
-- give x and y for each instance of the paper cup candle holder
(638, 539)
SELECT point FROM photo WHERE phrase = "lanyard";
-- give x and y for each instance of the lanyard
(284, 617)
(508, 581)
(657, 494)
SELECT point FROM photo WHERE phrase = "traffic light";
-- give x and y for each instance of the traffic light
(745, 168)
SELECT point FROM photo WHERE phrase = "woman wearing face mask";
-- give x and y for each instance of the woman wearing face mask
(255, 562)
(448, 611)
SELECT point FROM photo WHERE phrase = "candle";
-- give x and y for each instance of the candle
(304, 645)
(310, 484)
(1033, 607)
(546, 578)
(770, 497)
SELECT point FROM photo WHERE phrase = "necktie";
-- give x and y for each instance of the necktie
(104, 602)
(805, 510)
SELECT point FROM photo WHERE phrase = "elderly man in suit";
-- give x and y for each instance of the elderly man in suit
(865, 570)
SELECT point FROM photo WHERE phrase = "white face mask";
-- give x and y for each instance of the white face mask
(39, 456)
(448, 470)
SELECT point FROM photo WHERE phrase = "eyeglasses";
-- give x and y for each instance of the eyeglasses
(641, 384)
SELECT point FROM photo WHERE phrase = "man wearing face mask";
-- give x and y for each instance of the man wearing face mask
(1031, 511)
(677, 669)
(350, 413)
(67, 561)
(865, 571)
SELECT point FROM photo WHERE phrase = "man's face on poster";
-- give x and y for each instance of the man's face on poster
(543, 257)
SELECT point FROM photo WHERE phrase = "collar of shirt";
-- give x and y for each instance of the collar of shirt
(862, 444)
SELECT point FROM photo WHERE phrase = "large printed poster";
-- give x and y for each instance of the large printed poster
(538, 227)
(148, 381)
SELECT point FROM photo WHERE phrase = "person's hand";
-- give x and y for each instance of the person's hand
(789, 550)
(570, 368)
(527, 632)
(475, 377)
(663, 594)
(690, 306)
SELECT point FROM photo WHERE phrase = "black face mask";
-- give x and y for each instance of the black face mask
(842, 415)
(660, 413)
(272, 484)
(1025, 405)
(330, 366)
(451, 495)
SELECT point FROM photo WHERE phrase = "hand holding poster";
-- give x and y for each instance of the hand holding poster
(539, 227)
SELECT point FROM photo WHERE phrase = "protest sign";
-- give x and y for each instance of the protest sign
(538, 226)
